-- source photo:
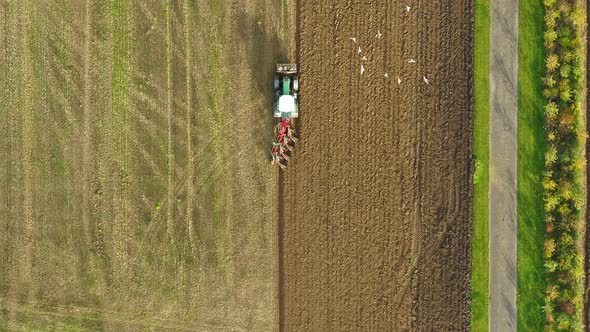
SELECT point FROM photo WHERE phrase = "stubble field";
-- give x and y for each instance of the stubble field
(135, 189)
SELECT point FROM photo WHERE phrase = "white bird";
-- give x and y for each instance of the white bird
(425, 80)
(353, 39)
(364, 58)
(386, 75)
(399, 81)
(408, 8)
(379, 34)
(362, 69)
(412, 61)
(359, 51)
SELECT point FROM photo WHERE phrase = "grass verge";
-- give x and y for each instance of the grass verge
(480, 257)
(531, 149)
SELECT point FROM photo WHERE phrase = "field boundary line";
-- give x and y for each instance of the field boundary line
(293, 12)
(586, 103)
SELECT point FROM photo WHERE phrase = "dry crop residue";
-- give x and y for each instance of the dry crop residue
(375, 208)
(134, 189)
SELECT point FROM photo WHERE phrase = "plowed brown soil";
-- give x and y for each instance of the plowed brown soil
(375, 207)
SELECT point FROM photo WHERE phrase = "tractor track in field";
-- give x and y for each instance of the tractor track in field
(375, 207)
(29, 168)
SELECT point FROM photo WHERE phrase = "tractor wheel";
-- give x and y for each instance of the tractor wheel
(277, 82)
(296, 83)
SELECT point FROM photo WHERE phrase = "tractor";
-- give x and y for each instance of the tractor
(286, 84)
(285, 107)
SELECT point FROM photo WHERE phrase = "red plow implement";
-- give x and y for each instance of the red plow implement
(283, 145)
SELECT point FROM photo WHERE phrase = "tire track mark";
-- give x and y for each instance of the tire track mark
(27, 93)
(170, 148)
(6, 170)
(13, 199)
(189, 149)
(87, 134)
(120, 91)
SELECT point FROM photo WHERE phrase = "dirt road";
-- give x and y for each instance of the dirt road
(375, 214)
(503, 165)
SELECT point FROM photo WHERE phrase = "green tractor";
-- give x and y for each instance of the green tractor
(285, 107)
(286, 85)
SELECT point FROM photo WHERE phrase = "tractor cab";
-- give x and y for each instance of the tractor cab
(287, 106)
(286, 85)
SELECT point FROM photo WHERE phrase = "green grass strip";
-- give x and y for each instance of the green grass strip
(480, 253)
(531, 149)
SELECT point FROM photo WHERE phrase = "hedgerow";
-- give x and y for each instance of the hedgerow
(563, 181)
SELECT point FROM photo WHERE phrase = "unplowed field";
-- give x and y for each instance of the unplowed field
(375, 208)
(135, 189)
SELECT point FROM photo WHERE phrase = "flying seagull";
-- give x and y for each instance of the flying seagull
(353, 39)
(359, 51)
(425, 80)
(364, 58)
(399, 81)
(386, 75)
(412, 61)
(379, 34)
(408, 8)
(362, 69)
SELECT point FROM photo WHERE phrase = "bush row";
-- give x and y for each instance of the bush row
(565, 162)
